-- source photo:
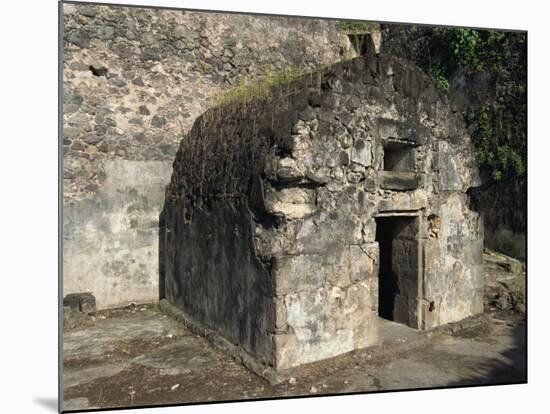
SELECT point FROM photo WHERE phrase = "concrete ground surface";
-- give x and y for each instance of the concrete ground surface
(137, 356)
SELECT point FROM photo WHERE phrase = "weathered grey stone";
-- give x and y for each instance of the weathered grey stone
(78, 146)
(473, 254)
(364, 262)
(118, 82)
(80, 302)
(292, 203)
(79, 66)
(168, 149)
(320, 175)
(343, 158)
(307, 114)
(151, 53)
(79, 39)
(361, 152)
(158, 121)
(399, 181)
(144, 110)
(98, 69)
(288, 169)
(71, 132)
(140, 136)
(91, 138)
(345, 138)
(306, 270)
(105, 32)
(103, 147)
(88, 11)
(354, 177)
(449, 177)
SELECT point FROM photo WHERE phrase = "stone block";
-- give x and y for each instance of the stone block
(408, 281)
(414, 310)
(477, 302)
(473, 252)
(289, 170)
(292, 202)
(449, 177)
(306, 272)
(432, 253)
(366, 332)
(404, 254)
(278, 313)
(285, 346)
(398, 181)
(401, 309)
(364, 262)
(429, 311)
(477, 275)
(322, 236)
(414, 200)
(369, 231)
(80, 302)
(389, 129)
(361, 152)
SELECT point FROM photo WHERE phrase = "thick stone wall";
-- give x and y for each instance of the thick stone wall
(310, 168)
(134, 80)
(237, 304)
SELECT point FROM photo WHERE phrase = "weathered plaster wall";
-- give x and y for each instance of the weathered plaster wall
(307, 163)
(454, 264)
(134, 79)
(111, 239)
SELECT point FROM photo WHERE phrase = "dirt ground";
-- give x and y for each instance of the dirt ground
(138, 356)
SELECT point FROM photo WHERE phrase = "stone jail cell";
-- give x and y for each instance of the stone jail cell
(295, 221)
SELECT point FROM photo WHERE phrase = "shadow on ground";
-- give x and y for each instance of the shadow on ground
(49, 403)
(140, 357)
(510, 367)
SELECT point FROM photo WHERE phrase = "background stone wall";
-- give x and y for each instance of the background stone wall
(134, 80)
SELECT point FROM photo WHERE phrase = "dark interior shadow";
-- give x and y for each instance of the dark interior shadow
(162, 255)
(49, 403)
(496, 371)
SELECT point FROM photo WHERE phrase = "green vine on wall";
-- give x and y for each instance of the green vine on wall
(499, 156)
(499, 126)
(485, 72)
(454, 48)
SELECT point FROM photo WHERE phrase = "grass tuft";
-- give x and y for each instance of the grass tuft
(349, 26)
(248, 90)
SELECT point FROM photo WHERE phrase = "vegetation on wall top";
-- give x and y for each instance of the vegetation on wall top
(351, 26)
(247, 90)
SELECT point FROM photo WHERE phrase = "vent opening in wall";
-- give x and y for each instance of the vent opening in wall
(398, 157)
(399, 167)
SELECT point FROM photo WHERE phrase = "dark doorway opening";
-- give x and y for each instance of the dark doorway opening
(398, 284)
